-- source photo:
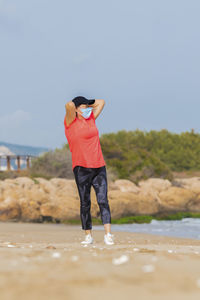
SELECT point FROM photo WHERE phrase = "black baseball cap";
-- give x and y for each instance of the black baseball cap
(82, 100)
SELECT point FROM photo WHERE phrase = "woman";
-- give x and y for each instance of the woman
(88, 164)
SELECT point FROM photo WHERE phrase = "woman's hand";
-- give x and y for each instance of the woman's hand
(97, 107)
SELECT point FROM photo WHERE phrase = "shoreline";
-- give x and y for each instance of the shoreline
(52, 229)
(101, 229)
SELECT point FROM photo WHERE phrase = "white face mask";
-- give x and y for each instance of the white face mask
(86, 112)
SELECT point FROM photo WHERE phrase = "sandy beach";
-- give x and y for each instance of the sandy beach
(47, 261)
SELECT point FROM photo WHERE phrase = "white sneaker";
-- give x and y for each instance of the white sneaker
(108, 239)
(88, 239)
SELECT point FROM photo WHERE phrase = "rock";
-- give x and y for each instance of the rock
(27, 195)
(125, 185)
(192, 184)
(62, 183)
(61, 209)
(56, 187)
(194, 204)
(126, 204)
(45, 185)
(176, 198)
(32, 200)
(156, 184)
(24, 182)
(30, 210)
(9, 209)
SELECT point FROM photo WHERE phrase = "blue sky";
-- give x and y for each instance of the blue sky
(141, 57)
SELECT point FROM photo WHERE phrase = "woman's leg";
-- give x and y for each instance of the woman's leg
(107, 228)
(99, 182)
(83, 181)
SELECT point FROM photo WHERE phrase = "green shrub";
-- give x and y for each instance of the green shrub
(132, 155)
(137, 155)
(51, 164)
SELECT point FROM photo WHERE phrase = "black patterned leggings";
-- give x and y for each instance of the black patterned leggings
(85, 178)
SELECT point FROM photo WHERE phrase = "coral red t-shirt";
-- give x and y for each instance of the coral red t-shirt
(84, 143)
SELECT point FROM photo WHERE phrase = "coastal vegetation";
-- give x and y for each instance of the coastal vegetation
(132, 155)
(137, 155)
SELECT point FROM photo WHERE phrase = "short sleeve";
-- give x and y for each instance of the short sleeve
(69, 124)
(65, 123)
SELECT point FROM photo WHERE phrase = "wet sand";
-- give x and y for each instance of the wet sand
(47, 261)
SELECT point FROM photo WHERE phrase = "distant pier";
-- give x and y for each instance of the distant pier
(18, 158)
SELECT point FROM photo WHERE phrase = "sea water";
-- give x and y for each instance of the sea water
(186, 228)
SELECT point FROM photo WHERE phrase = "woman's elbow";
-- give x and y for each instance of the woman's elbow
(101, 102)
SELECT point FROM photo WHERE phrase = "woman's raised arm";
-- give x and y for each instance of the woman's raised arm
(70, 112)
(97, 107)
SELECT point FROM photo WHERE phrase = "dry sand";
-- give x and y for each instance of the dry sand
(47, 261)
